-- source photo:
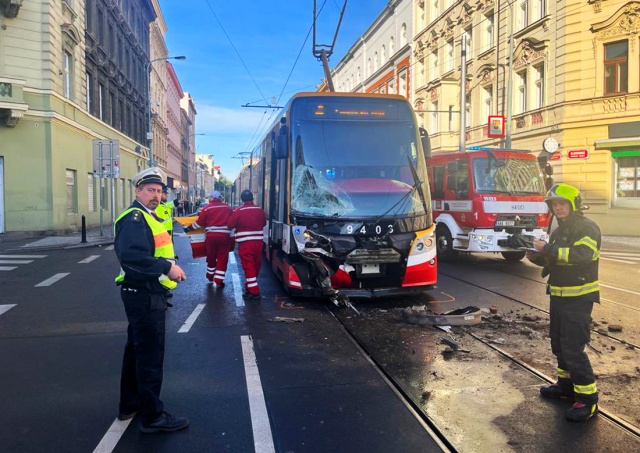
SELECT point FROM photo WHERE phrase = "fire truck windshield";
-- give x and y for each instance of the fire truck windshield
(352, 158)
(514, 176)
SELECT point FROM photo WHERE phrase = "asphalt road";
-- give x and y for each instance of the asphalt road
(337, 381)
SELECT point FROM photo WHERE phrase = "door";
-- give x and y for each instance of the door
(1, 194)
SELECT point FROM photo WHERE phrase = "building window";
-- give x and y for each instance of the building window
(112, 108)
(539, 9)
(402, 77)
(91, 194)
(469, 34)
(434, 67)
(615, 67)
(523, 18)
(449, 56)
(358, 76)
(434, 117)
(368, 67)
(467, 117)
(383, 56)
(101, 27)
(72, 192)
(89, 92)
(488, 32)
(522, 92)
(539, 81)
(101, 100)
(375, 62)
(392, 47)
(627, 176)
(450, 118)
(68, 70)
(435, 10)
(487, 101)
(403, 35)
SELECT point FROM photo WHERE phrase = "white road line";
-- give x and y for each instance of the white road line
(109, 248)
(23, 256)
(51, 280)
(232, 258)
(237, 290)
(6, 308)
(113, 435)
(16, 261)
(191, 319)
(89, 259)
(7, 268)
(262, 437)
(617, 261)
(619, 289)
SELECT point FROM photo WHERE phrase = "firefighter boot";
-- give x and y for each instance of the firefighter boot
(558, 390)
(581, 412)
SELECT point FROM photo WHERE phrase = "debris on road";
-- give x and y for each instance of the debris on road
(452, 344)
(285, 319)
(459, 317)
(614, 328)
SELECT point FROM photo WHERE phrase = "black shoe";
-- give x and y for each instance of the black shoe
(123, 416)
(554, 391)
(580, 412)
(166, 422)
(169, 295)
(249, 296)
(220, 285)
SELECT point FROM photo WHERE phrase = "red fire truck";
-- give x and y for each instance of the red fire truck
(483, 197)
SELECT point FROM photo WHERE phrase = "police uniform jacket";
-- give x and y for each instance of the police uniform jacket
(571, 259)
(248, 221)
(135, 248)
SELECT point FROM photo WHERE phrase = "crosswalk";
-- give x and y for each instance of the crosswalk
(14, 260)
(631, 257)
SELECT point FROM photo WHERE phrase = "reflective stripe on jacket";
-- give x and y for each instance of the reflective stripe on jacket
(162, 242)
(164, 212)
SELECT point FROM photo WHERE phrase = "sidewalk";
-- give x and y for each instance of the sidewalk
(19, 244)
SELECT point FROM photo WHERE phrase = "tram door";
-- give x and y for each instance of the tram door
(1, 194)
(278, 188)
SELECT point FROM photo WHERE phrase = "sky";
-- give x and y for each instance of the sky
(244, 52)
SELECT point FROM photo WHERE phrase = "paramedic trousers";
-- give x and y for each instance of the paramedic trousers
(251, 258)
(217, 246)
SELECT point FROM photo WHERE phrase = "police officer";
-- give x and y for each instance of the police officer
(248, 221)
(165, 211)
(213, 218)
(145, 251)
(571, 261)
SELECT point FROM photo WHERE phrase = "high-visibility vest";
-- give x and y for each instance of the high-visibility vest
(163, 245)
(164, 212)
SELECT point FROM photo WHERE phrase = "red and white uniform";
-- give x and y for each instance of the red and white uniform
(249, 220)
(213, 218)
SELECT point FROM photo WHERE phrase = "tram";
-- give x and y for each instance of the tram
(343, 180)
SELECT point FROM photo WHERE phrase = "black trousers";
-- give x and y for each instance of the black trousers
(142, 364)
(570, 331)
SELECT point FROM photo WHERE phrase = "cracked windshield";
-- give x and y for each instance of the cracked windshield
(356, 161)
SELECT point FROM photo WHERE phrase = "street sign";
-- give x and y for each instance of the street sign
(555, 156)
(578, 154)
(106, 159)
(496, 126)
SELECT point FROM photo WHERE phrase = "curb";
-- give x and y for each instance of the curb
(46, 248)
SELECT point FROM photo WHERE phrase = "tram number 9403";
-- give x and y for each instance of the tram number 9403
(368, 229)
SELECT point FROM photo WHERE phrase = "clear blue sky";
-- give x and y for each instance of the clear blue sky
(268, 35)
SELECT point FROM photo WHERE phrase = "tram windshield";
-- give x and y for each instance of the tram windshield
(353, 157)
(510, 176)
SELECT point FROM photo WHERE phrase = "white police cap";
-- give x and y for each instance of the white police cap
(149, 175)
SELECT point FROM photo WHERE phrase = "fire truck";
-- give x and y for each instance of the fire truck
(487, 200)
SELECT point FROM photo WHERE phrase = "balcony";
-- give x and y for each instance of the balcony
(12, 105)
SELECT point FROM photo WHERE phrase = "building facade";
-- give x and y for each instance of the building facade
(188, 107)
(177, 181)
(158, 78)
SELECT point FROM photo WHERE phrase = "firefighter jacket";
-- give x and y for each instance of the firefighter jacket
(248, 220)
(571, 259)
(214, 217)
(164, 211)
(144, 249)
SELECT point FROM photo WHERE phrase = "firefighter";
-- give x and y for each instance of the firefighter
(165, 211)
(146, 256)
(571, 261)
(248, 221)
(213, 219)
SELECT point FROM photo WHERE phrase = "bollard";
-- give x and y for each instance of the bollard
(84, 230)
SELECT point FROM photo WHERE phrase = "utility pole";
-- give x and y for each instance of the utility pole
(463, 94)
(507, 141)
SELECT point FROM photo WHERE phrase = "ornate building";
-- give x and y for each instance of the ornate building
(158, 87)
(178, 181)
(188, 107)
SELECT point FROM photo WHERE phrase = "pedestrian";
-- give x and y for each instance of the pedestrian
(148, 272)
(180, 208)
(248, 221)
(571, 261)
(213, 219)
(164, 211)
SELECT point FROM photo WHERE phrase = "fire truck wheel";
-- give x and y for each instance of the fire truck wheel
(513, 256)
(444, 244)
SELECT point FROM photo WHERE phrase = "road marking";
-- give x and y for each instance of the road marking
(232, 258)
(109, 248)
(113, 435)
(89, 259)
(16, 261)
(611, 252)
(6, 308)
(262, 437)
(617, 261)
(191, 319)
(619, 289)
(8, 268)
(237, 290)
(23, 256)
(51, 280)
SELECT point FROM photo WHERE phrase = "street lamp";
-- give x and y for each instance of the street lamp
(152, 162)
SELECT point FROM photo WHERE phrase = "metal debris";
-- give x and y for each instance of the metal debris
(285, 319)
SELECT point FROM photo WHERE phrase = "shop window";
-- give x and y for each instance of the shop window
(627, 176)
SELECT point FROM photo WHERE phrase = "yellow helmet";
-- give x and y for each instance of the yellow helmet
(564, 192)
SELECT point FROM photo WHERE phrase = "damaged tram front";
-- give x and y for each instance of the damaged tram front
(343, 180)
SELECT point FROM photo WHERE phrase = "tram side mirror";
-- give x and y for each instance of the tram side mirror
(282, 144)
(426, 142)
